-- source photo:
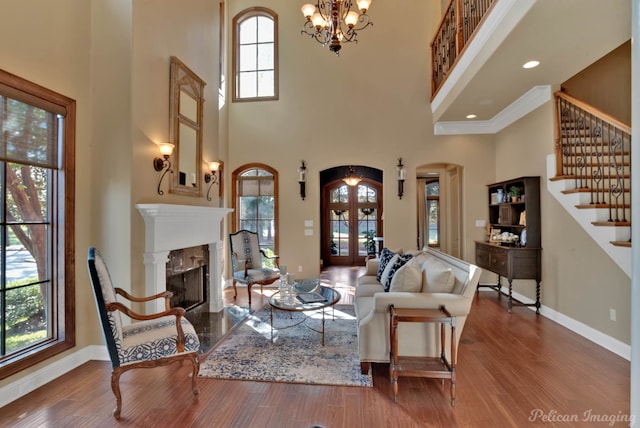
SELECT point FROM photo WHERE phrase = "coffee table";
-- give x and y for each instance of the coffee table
(279, 302)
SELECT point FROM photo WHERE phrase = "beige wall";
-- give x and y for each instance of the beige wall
(367, 107)
(161, 29)
(579, 279)
(606, 84)
(49, 43)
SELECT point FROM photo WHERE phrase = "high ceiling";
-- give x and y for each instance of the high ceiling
(566, 36)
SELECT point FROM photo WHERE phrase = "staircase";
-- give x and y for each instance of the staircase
(590, 175)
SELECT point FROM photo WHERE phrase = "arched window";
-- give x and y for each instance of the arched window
(255, 55)
(255, 201)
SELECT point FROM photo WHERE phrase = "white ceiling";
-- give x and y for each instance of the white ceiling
(564, 35)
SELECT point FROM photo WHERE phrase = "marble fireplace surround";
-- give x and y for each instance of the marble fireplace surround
(172, 227)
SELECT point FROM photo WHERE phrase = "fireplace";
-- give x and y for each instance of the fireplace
(187, 276)
(178, 227)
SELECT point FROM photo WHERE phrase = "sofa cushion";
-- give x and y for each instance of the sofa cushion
(393, 266)
(408, 278)
(385, 256)
(368, 290)
(438, 277)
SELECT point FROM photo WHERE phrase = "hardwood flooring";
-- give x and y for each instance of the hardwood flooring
(514, 370)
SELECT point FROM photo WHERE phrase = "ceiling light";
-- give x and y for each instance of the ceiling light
(352, 179)
(531, 64)
(471, 116)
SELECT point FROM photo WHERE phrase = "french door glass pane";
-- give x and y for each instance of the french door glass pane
(432, 221)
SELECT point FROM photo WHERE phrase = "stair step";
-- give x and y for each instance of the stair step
(621, 243)
(612, 223)
(588, 176)
(589, 190)
(588, 206)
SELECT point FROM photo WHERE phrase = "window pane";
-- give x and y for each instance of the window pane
(263, 173)
(248, 82)
(248, 225)
(249, 187)
(266, 233)
(265, 207)
(248, 57)
(266, 187)
(248, 31)
(266, 86)
(26, 320)
(27, 185)
(30, 134)
(249, 173)
(22, 266)
(248, 208)
(265, 29)
(433, 189)
(265, 56)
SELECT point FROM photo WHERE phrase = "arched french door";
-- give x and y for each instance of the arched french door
(351, 219)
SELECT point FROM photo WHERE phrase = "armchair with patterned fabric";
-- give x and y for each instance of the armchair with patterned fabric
(246, 262)
(154, 340)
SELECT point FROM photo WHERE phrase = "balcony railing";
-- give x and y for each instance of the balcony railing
(456, 28)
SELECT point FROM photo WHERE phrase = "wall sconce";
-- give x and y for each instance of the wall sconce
(211, 177)
(401, 175)
(302, 180)
(160, 163)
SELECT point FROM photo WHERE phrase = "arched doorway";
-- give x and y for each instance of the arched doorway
(351, 215)
(439, 193)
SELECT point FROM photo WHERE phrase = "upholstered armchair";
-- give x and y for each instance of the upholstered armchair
(152, 341)
(246, 262)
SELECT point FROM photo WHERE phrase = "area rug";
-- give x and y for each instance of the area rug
(296, 354)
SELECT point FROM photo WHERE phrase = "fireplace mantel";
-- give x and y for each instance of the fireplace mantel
(171, 227)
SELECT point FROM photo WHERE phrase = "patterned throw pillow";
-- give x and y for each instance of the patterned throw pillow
(399, 262)
(385, 256)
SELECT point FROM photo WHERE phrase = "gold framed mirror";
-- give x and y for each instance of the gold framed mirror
(186, 103)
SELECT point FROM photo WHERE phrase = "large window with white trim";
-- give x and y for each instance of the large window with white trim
(255, 55)
(37, 131)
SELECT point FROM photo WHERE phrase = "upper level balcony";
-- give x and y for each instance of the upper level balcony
(480, 47)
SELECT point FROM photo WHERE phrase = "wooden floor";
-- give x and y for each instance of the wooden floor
(514, 370)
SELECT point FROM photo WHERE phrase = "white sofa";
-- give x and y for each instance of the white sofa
(429, 279)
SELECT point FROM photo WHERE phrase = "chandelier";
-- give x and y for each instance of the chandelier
(332, 22)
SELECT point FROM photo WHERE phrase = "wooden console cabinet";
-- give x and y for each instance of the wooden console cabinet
(508, 259)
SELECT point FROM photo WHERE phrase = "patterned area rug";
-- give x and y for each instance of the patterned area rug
(296, 354)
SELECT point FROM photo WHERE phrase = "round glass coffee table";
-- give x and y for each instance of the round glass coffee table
(302, 302)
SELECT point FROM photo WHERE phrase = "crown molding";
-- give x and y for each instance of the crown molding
(531, 100)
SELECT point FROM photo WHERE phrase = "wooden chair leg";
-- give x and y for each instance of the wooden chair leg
(115, 387)
(235, 290)
(249, 291)
(364, 367)
(194, 374)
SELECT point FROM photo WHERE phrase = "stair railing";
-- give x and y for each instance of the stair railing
(594, 149)
(457, 26)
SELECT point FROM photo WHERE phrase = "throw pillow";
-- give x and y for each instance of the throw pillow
(385, 256)
(394, 265)
(408, 278)
(438, 277)
(385, 273)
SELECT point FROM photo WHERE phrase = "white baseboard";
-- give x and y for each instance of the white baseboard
(597, 337)
(25, 385)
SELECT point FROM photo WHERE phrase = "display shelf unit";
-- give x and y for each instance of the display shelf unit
(511, 259)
